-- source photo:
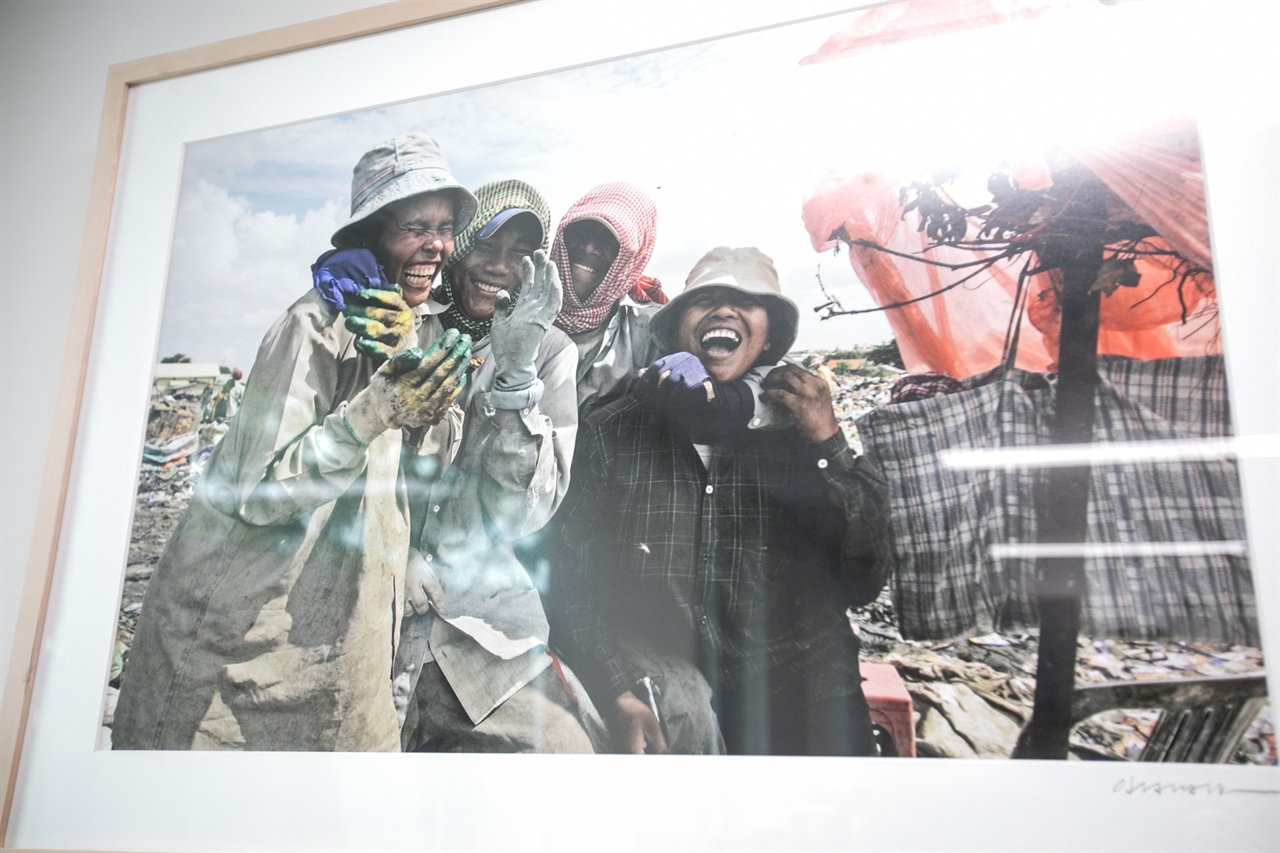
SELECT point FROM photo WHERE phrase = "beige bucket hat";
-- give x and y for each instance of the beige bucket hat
(401, 167)
(748, 270)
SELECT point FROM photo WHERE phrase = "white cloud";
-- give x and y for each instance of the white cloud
(234, 270)
(728, 136)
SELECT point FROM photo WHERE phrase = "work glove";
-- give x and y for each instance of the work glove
(517, 333)
(381, 320)
(411, 389)
(680, 390)
(339, 274)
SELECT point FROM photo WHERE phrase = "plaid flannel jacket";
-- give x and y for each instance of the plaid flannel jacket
(745, 565)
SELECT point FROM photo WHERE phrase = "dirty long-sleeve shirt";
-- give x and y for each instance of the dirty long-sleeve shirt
(511, 473)
(746, 563)
(610, 355)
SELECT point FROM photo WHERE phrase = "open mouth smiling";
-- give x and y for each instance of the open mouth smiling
(720, 341)
(420, 275)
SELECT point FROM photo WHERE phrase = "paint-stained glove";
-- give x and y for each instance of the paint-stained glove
(382, 321)
(517, 333)
(412, 389)
(339, 274)
(679, 389)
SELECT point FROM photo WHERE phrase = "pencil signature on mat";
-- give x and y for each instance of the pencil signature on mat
(1133, 785)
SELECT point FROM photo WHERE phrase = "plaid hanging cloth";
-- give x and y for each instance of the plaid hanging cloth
(945, 520)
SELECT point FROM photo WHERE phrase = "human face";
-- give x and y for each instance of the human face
(726, 329)
(416, 240)
(592, 250)
(494, 263)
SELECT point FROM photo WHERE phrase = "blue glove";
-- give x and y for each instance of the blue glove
(680, 389)
(340, 274)
(682, 370)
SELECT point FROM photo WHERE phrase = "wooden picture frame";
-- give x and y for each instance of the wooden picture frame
(121, 79)
(1235, 147)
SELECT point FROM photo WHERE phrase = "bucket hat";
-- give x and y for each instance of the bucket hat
(748, 270)
(401, 167)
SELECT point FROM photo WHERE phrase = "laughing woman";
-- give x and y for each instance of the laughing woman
(602, 246)
(473, 672)
(271, 619)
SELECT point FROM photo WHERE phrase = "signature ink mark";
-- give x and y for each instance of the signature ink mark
(1133, 785)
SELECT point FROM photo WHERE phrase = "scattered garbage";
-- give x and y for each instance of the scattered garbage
(858, 395)
(992, 639)
(972, 695)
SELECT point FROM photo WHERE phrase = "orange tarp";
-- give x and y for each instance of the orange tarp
(962, 332)
(1156, 175)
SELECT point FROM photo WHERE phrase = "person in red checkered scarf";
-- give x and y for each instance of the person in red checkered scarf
(602, 246)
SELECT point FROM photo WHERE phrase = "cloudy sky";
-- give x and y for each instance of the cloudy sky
(729, 136)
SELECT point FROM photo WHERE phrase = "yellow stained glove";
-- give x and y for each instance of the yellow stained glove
(382, 321)
(412, 388)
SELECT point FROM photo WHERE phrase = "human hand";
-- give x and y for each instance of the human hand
(517, 332)
(806, 397)
(341, 273)
(681, 390)
(680, 373)
(412, 389)
(381, 320)
(636, 730)
(422, 587)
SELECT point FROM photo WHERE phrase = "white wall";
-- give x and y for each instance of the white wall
(54, 56)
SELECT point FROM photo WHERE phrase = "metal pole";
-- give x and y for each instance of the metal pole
(1062, 516)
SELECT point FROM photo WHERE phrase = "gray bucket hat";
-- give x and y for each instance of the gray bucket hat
(396, 169)
(748, 270)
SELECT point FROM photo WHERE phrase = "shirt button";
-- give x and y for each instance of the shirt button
(710, 489)
(822, 463)
(436, 508)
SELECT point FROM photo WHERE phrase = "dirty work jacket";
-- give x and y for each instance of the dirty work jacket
(510, 475)
(272, 617)
(610, 355)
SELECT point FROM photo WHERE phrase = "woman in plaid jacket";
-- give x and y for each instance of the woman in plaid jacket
(714, 560)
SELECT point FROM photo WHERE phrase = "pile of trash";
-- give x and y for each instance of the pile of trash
(172, 430)
(179, 439)
(859, 394)
(973, 695)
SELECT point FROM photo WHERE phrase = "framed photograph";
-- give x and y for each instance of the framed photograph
(843, 140)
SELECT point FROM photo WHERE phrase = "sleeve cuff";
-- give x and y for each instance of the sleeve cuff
(362, 423)
(833, 452)
(522, 399)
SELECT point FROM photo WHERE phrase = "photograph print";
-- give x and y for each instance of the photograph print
(833, 388)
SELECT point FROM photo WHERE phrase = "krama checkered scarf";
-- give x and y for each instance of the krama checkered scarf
(634, 218)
